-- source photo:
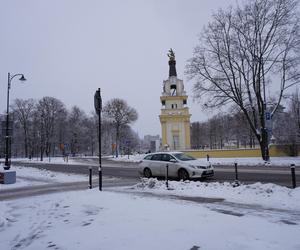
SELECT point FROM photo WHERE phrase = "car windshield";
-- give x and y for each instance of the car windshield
(184, 157)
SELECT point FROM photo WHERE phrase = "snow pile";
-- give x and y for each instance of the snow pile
(270, 195)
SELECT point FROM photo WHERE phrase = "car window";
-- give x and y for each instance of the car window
(148, 157)
(156, 157)
(184, 157)
(167, 157)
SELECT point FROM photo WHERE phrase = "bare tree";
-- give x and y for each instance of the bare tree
(24, 110)
(90, 133)
(76, 128)
(196, 132)
(48, 112)
(295, 114)
(290, 138)
(120, 114)
(245, 53)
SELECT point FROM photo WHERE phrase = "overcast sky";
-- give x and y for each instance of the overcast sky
(69, 48)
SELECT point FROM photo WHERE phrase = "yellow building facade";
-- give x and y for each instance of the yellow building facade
(175, 116)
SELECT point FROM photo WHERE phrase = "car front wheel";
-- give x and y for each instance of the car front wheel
(147, 173)
(183, 175)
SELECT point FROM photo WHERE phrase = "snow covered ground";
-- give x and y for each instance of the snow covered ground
(188, 215)
(27, 176)
(109, 220)
(51, 160)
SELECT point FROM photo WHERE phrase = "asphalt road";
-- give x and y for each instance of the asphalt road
(269, 174)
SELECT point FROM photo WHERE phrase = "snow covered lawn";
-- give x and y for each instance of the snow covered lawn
(256, 161)
(51, 160)
(242, 161)
(125, 158)
(131, 218)
(27, 176)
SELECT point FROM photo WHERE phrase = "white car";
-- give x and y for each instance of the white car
(180, 166)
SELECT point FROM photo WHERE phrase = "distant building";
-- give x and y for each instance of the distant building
(151, 143)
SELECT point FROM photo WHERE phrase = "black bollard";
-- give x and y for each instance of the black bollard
(293, 176)
(207, 157)
(236, 171)
(167, 176)
(100, 178)
(90, 177)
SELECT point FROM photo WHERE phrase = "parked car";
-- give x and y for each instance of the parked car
(180, 166)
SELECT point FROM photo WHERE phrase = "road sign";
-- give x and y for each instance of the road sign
(97, 102)
(268, 116)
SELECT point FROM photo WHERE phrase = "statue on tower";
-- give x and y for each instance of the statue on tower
(171, 55)
(172, 63)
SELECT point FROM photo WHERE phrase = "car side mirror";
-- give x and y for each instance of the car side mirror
(173, 160)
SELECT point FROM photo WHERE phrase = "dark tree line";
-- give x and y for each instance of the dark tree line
(45, 127)
(222, 131)
(233, 131)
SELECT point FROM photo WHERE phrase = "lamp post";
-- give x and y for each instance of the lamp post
(7, 135)
(98, 109)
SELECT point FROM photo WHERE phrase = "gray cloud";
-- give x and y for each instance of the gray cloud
(68, 49)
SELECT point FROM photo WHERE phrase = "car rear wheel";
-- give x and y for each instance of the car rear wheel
(183, 175)
(147, 173)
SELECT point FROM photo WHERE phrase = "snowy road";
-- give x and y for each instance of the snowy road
(247, 174)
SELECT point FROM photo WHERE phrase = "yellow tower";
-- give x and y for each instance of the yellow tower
(175, 116)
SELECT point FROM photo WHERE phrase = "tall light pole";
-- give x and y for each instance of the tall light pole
(98, 109)
(7, 134)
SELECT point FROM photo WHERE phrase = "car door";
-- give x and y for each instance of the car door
(172, 166)
(156, 164)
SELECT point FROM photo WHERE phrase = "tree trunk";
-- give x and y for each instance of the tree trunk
(42, 153)
(117, 140)
(25, 140)
(264, 147)
(26, 145)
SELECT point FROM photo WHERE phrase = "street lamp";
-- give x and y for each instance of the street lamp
(7, 136)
